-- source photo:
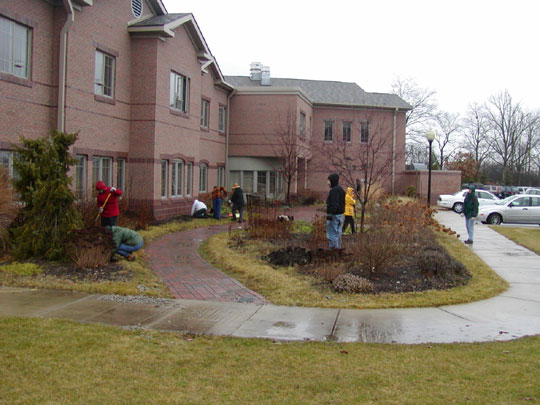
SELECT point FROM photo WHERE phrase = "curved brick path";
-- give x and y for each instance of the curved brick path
(174, 258)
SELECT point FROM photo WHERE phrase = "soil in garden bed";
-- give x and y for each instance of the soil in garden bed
(68, 271)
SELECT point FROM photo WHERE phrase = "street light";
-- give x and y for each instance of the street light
(430, 135)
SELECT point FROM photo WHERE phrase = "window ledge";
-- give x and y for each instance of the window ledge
(178, 113)
(205, 129)
(16, 79)
(104, 99)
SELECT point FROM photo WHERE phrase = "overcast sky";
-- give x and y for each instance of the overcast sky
(466, 51)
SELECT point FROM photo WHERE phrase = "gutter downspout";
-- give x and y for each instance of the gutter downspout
(394, 152)
(62, 66)
(227, 136)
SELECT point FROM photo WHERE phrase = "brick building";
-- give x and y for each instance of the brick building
(154, 113)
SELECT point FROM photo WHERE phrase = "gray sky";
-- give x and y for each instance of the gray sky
(464, 50)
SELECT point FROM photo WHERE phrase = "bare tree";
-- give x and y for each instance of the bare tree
(475, 128)
(449, 126)
(365, 166)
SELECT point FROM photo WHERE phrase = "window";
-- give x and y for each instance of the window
(121, 174)
(234, 177)
(203, 178)
(80, 177)
(6, 160)
(261, 182)
(205, 113)
(364, 132)
(189, 180)
(164, 177)
(177, 178)
(302, 127)
(220, 176)
(15, 40)
(328, 131)
(101, 170)
(179, 96)
(221, 119)
(104, 74)
(347, 125)
(247, 184)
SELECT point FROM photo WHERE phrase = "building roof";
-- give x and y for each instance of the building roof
(326, 92)
(159, 20)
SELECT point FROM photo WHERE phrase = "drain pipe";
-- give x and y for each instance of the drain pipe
(227, 136)
(62, 66)
(394, 152)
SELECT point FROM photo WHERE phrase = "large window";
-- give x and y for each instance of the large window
(121, 174)
(247, 183)
(364, 132)
(104, 74)
(347, 125)
(221, 119)
(164, 177)
(102, 170)
(80, 177)
(302, 126)
(177, 178)
(220, 176)
(179, 97)
(6, 160)
(328, 131)
(261, 181)
(205, 113)
(203, 178)
(189, 178)
(15, 40)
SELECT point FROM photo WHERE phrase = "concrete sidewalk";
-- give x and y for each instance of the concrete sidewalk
(513, 314)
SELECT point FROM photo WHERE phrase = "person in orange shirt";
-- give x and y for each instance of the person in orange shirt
(218, 193)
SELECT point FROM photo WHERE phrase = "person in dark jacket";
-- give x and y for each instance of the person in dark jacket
(237, 201)
(470, 210)
(107, 203)
(335, 207)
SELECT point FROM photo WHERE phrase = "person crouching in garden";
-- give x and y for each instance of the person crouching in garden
(217, 200)
(107, 203)
(335, 207)
(199, 209)
(127, 241)
(349, 210)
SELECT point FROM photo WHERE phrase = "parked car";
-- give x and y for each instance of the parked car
(532, 191)
(506, 191)
(478, 186)
(455, 201)
(518, 209)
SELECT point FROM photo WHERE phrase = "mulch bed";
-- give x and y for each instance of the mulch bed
(68, 271)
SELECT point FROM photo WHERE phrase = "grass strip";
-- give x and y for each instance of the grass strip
(526, 237)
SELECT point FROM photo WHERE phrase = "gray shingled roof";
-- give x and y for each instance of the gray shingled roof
(327, 92)
(160, 20)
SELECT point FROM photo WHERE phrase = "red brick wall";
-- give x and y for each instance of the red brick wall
(442, 182)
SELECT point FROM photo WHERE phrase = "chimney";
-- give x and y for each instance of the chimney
(265, 76)
(255, 71)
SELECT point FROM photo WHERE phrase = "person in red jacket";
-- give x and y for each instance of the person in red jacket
(107, 203)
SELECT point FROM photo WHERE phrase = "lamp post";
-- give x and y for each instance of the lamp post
(430, 135)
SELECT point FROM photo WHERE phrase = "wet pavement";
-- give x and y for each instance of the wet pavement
(513, 314)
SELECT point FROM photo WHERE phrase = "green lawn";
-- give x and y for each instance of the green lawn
(526, 237)
(52, 361)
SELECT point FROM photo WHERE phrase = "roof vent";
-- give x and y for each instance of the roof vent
(255, 71)
(136, 8)
(265, 76)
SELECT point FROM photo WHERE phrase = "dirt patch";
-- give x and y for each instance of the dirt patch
(68, 271)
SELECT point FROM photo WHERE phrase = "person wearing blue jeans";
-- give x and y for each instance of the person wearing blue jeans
(335, 207)
(126, 241)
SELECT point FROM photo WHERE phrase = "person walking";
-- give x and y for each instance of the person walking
(217, 200)
(199, 209)
(237, 200)
(335, 207)
(107, 203)
(470, 210)
(127, 241)
(349, 210)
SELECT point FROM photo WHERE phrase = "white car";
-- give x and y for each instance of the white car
(532, 191)
(455, 201)
(518, 209)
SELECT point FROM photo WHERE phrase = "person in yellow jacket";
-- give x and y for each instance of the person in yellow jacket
(349, 210)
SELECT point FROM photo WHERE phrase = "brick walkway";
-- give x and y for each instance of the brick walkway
(175, 260)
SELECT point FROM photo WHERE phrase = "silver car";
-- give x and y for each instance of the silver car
(517, 209)
(455, 201)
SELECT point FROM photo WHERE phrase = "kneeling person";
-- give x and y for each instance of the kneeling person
(127, 241)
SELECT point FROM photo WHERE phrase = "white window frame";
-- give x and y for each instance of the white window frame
(189, 178)
(203, 178)
(164, 177)
(328, 131)
(16, 48)
(205, 113)
(105, 72)
(222, 114)
(81, 170)
(179, 92)
(177, 178)
(220, 176)
(98, 168)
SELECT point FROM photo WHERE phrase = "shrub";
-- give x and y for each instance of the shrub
(91, 247)
(49, 214)
(8, 209)
(436, 262)
(317, 237)
(21, 269)
(263, 221)
(350, 283)
(330, 271)
(411, 192)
